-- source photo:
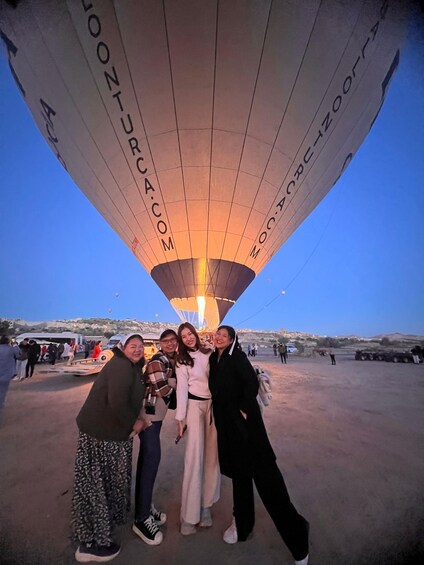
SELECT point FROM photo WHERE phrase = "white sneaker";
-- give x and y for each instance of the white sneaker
(230, 534)
(205, 518)
(303, 561)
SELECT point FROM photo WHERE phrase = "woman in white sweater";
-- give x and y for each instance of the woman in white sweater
(202, 479)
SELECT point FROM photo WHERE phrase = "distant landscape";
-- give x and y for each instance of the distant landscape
(101, 328)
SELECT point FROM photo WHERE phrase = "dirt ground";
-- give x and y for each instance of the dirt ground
(349, 440)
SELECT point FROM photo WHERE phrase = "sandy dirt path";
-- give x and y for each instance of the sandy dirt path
(349, 440)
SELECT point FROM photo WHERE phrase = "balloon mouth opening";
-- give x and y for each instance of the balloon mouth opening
(201, 305)
(204, 312)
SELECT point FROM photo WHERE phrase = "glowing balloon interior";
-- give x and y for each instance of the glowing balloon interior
(204, 132)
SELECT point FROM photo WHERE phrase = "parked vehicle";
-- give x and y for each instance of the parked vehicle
(54, 337)
(389, 356)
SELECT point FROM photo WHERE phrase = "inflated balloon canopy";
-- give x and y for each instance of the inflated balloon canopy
(204, 132)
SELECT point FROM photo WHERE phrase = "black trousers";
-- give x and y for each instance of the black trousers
(269, 482)
(29, 369)
(333, 359)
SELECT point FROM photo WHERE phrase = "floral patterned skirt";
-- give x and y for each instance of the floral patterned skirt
(102, 488)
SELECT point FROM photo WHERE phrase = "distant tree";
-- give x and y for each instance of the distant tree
(283, 339)
(328, 342)
(108, 334)
(300, 346)
(385, 341)
(4, 327)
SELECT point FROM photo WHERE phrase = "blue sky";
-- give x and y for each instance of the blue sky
(355, 266)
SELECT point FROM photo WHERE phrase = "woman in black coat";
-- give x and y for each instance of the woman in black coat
(245, 453)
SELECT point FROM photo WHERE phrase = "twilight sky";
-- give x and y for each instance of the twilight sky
(355, 266)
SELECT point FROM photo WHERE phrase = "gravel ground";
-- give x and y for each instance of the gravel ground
(349, 440)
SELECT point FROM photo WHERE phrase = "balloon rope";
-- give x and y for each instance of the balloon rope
(281, 293)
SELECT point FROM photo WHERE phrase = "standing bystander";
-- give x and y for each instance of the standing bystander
(33, 354)
(8, 356)
(22, 359)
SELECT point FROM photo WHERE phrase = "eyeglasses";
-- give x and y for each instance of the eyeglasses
(169, 341)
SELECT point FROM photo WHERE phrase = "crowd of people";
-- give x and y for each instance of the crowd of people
(18, 361)
(212, 391)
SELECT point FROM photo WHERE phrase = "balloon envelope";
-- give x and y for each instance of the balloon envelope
(204, 132)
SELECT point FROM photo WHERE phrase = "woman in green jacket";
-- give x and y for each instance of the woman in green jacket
(107, 422)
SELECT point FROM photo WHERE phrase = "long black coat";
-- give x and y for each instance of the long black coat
(242, 443)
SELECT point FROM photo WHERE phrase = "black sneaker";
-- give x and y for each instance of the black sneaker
(159, 517)
(148, 531)
(99, 553)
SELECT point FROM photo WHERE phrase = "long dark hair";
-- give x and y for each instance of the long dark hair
(232, 333)
(184, 357)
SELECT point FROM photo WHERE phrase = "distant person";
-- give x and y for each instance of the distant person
(22, 359)
(282, 350)
(255, 349)
(33, 354)
(71, 353)
(332, 355)
(107, 422)
(86, 349)
(97, 350)
(66, 348)
(249, 350)
(160, 383)
(43, 352)
(60, 351)
(416, 352)
(202, 478)
(275, 348)
(8, 357)
(52, 351)
(245, 453)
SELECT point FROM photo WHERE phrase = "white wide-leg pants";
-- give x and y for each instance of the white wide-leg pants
(20, 368)
(202, 477)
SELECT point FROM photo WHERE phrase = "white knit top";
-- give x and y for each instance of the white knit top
(192, 379)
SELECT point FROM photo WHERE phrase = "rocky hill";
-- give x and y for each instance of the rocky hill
(106, 327)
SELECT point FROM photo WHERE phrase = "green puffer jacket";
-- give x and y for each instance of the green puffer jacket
(114, 401)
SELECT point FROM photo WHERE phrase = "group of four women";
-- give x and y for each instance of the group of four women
(225, 433)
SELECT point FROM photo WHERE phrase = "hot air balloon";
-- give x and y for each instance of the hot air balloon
(203, 131)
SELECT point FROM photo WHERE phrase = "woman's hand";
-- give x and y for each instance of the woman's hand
(181, 424)
(139, 425)
(243, 414)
